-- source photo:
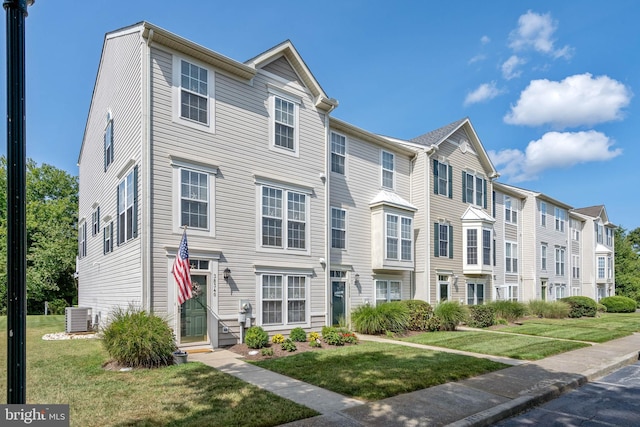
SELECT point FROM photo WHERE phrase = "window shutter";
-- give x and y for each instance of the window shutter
(98, 219)
(450, 241)
(135, 201)
(435, 177)
(450, 182)
(118, 214)
(111, 231)
(436, 239)
(484, 192)
(464, 187)
(104, 241)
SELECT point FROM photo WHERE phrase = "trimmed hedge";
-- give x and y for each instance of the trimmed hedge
(481, 316)
(619, 304)
(256, 337)
(581, 306)
(420, 314)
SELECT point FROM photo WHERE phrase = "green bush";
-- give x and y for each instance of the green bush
(136, 338)
(333, 338)
(390, 316)
(298, 335)
(481, 316)
(420, 312)
(256, 337)
(267, 351)
(315, 343)
(450, 314)
(602, 308)
(57, 306)
(549, 309)
(619, 304)
(581, 306)
(289, 345)
(509, 310)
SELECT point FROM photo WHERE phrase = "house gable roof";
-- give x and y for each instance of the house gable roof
(438, 136)
(289, 52)
(474, 214)
(390, 198)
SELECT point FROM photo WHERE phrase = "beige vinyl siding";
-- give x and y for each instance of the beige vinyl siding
(240, 149)
(114, 279)
(420, 180)
(282, 68)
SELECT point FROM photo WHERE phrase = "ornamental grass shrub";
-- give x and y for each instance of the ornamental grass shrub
(509, 310)
(420, 314)
(481, 316)
(450, 314)
(581, 306)
(391, 316)
(136, 338)
(619, 304)
(549, 309)
(256, 337)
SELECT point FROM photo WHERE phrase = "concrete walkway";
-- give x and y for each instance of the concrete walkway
(478, 401)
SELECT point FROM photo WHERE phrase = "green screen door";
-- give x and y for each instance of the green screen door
(193, 313)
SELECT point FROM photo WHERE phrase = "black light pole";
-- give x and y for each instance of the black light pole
(16, 204)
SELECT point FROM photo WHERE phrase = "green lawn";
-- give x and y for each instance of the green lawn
(372, 371)
(192, 394)
(513, 346)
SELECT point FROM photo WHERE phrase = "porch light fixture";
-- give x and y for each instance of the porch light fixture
(226, 273)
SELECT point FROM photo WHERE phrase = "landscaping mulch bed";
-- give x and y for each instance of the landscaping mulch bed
(256, 354)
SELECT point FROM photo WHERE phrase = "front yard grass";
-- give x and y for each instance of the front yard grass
(372, 371)
(496, 344)
(193, 394)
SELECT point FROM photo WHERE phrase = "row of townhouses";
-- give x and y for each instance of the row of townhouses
(293, 217)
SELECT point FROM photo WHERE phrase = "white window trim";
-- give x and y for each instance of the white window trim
(544, 256)
(176, 87)
(604, 267)
(346, 226)
(478, 246)
(476, 176)
(296, 101)
(475, 296)
(285, 190)
(388, 282)
(511, 206)
(398, 236)
(560, 217)
(509, 288)
(284, 274)
(560, 261)
(346, 150)
(82, 238)
(382, 169)
(543, 214)
(508, 267)
(441, 282)
(178, 164)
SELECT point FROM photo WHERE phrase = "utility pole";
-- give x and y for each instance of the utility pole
(16, 203)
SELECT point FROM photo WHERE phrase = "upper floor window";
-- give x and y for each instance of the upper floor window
(338, 228)
(474, 189)
(338, 153)
(285, 124)
(442, 178)
(127, 206)
(543, 256)
(601, 267)
(599, 229)
(575, 266)
(560, 219)
(609, 234)
(108, 238)
(560, 253)
(388, 290)
(95, 221)
(388, 169)
(194, 199)
(609, 268)
(284, 218)
(575, 229)
(486, 246)
(399, 240)
(510, 210)
(193, 94)
(472, 246)
(443, 244)
(108, 142)
(543, 214)
(82, 240)
(511, 257)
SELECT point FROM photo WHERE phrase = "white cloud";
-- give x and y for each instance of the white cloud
(477, 58)
(485, 39)
(509, 67)
(535, 32)
(484, 92)
(575, 101)
(553, 150)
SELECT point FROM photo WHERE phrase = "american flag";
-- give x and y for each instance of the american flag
(181, 271)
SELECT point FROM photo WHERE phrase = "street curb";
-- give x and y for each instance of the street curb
(521, 404)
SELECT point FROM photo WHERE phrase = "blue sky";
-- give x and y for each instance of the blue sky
(549, 86)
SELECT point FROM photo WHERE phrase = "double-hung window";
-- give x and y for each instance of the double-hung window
(284, 299)
(285, 123)
(284, 218)
(601, 267)
(95, 221)
(486, 246)
(128, 207)
(543, 214)
(575, 230)
(338, 153)
(575, 266)
(194, 199)
(443, 244)
(472, 246)
(107, 238)
(442, 173)
(388, 169)
(560, 219)
(399, 237)
(609, 234)
(560, 252)
(511, 257)
(474, 189)
(194, 93)
(108, 142)
(609, 268)
(82, 239)
(338, 228)
(543, 256)
(510, 211)
(475, 293)
(388, 290)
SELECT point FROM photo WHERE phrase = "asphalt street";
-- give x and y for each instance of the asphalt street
(613, 400)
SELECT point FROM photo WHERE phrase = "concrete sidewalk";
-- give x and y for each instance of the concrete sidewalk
(478, 401)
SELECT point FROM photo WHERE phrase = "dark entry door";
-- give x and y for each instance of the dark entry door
(337, 302)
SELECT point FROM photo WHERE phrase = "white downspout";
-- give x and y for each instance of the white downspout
(146, 168)
(327, 215)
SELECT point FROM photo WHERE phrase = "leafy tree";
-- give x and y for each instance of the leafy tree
(51, 220)
(627, 263)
